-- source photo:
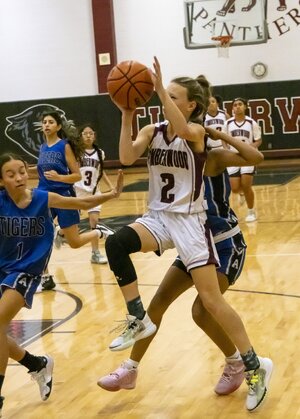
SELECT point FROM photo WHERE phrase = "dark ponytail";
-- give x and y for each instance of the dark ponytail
(68, 132)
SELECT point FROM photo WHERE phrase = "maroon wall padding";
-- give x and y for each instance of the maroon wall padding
(104, 32)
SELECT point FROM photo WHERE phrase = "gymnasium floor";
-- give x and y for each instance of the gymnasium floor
(178, 373)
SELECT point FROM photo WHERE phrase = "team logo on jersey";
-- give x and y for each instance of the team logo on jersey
(25, 128)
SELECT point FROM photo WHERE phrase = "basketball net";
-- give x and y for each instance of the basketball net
(223, 44)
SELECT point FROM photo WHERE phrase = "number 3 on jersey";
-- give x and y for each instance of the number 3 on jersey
(88, 177)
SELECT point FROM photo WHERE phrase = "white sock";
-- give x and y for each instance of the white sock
(130, 364)
(235, 357)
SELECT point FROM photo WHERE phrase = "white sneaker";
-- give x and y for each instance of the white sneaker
(58, 238)
(98, 258)
(47, 283)
(44, 378)
(258, 382)
(135, 329)
(105, 230)
(251, 216)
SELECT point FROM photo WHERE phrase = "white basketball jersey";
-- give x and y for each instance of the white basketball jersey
(247, 131)
(175, 174)
(89, 169)
(216, 122)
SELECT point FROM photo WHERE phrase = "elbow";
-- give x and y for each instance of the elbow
(259, 158)
(126, 161)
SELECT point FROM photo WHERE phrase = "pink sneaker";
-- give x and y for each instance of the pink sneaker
(231, 379)
(122, 378)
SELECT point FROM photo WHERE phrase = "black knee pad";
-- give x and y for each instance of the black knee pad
(118, 248)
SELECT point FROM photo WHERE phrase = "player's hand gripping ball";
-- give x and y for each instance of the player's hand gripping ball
(129, 84)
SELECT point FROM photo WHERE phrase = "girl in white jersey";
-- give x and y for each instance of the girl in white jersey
(215, 118)
(231, 250)
(175, 217)
(91, 169)
(246, 129)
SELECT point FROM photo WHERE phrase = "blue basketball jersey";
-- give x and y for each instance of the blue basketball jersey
(221, 218)
(53, 158)
(26, 234)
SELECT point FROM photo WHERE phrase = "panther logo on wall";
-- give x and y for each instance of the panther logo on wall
(25, 128)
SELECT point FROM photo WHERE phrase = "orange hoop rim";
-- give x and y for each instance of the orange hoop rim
(223, 39)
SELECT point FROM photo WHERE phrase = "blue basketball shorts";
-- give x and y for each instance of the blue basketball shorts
(65, 217)
(24, 283)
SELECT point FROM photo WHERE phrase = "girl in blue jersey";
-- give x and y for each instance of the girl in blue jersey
(204, 277)
(26, 239)
(58, 169)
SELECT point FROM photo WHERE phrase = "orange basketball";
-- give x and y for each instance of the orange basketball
(129, 84)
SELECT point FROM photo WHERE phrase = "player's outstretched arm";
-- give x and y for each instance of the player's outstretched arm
(58, 201)
(219, 159)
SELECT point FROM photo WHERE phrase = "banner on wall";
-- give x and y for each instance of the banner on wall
(246, 22)
(275, 106)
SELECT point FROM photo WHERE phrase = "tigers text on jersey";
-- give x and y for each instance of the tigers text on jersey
(221, 219)
(26, 234)
(90, 167)
(53, 158)
(216, 122)
(247, 131)
(175, 174)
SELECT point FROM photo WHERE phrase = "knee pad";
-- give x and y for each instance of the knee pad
(118, 248)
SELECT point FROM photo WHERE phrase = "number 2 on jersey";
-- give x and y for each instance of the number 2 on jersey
(167, 197)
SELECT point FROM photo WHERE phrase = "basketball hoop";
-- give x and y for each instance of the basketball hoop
(223, 44)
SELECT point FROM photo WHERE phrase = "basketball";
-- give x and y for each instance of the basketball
(129, 84)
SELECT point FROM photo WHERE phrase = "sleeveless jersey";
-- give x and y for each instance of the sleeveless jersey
(175, 174)
(90, 168)
(216, 122)
(53, 158)
(221, 218)
(247, 131)
(26, 235)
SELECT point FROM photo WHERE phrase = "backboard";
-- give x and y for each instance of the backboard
(244, 20)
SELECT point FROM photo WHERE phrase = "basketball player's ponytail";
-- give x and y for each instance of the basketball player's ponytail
(70, 133)
(100, 156)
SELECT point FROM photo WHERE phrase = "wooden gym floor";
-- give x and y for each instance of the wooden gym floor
(178, 373)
